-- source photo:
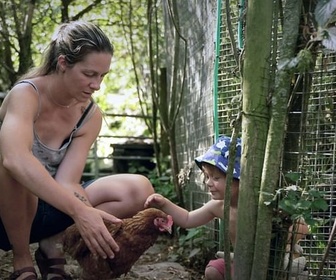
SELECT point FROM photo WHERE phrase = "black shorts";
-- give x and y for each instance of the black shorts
(48, 221)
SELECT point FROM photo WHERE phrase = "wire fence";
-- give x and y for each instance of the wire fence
(309, 149)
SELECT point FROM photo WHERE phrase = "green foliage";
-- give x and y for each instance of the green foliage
(163, 185)
(301, 63)
(300, 202)
(294, 201)
(136, 168)
(305, 60)
(193, 247)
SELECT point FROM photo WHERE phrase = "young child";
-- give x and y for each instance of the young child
(214, 164)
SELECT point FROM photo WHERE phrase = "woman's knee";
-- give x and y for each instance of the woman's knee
(114, 192)
(146, 187)
(140, 190)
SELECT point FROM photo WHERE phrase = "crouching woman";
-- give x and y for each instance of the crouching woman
(48, 122)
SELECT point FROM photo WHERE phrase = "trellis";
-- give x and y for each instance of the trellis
(310, 147)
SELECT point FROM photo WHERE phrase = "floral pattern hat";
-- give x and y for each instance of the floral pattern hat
(218, 155)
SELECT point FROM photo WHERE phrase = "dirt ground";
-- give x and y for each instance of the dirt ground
(153, 264)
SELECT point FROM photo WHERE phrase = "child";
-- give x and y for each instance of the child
(214, 164)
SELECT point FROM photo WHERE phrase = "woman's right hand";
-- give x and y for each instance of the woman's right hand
(94, 232)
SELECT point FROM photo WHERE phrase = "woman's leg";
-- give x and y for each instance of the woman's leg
(17, 210)
(121, 195)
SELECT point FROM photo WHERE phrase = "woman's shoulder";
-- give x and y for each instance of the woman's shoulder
(91, 111)
(21, 97)
(23, 91)
(25, 87)
(90, 121)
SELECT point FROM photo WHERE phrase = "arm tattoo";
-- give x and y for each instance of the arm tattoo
(80, 197)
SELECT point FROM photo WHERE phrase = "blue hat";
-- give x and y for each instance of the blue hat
(218, 155)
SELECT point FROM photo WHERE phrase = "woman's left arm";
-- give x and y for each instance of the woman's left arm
(71, 168)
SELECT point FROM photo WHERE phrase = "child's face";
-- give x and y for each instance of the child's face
(215, 180)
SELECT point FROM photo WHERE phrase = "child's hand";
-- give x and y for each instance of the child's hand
(155, 200)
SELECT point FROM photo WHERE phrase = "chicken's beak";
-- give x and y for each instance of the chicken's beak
(168, 228)
(169, 225)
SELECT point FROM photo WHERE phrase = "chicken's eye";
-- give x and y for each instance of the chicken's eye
(159, 221)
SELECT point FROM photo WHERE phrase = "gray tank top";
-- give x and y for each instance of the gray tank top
(51, 158)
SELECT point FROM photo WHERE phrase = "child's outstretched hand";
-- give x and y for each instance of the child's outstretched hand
(155, 200)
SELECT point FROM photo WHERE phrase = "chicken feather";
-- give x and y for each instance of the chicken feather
(134, 236)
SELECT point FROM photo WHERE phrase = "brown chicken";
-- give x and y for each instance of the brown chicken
(134, 236)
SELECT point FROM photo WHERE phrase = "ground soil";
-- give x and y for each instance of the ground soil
(154, 264)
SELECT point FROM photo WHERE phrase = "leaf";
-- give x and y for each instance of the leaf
(304, 63)
(192, 233)
(293, 188)
(287, 206)
(304, 205)
(293, 176)
(320, 204)
(194, 252)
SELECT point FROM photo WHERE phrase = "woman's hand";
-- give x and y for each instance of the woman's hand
(94, 232)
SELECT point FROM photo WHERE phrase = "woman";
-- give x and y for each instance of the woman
(48, 124)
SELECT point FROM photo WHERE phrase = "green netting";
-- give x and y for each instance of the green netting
(310, 144)
(228, 89)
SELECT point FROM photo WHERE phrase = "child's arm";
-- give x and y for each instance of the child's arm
(181, 216)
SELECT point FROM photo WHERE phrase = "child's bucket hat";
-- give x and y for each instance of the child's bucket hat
(218, 155)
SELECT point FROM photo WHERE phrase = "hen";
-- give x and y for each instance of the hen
(134, 236)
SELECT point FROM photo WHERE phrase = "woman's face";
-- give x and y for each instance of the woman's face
(84, 78)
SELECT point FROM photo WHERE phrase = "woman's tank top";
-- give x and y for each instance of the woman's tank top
(51, 158)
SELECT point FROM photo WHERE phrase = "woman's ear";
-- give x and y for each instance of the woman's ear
(62, 64)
